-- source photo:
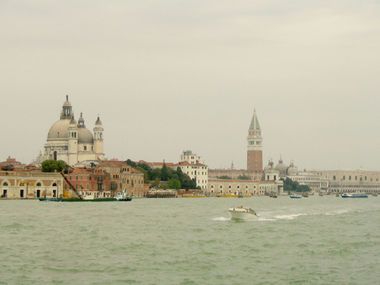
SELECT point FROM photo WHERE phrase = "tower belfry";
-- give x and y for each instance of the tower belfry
(255, 146)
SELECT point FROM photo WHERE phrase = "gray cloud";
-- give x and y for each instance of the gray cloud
(171, 75)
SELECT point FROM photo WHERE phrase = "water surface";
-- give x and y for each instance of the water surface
(318, 240)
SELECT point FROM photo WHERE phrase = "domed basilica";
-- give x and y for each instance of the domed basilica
(71, 141)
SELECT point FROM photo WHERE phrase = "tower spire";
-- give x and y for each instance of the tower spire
(255, 125)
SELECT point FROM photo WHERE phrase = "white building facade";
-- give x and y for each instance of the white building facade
(246, 188)
(192, 165)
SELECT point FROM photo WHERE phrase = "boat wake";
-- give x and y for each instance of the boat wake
(221, 219)
(289, 217)
(337, 212)
(272, 216)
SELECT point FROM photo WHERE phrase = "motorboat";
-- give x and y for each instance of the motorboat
(242, 213)
(295, 196)
(354, 195)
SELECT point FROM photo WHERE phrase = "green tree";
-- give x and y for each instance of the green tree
(243, 177)
(53, 166)
(165, 173)
(224, 177)
(294, 186)
(174, 184)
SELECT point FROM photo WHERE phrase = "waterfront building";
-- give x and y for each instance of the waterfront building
(234, 174)
(351, 181)
(316, 182)
(247, 188)
(87, 181)
(192, 165)
(124, 177)
(71, 141)
(24, 184)
(106, 178)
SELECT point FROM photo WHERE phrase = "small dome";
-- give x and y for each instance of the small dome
(269, 166)
(73, 122)
(292, 170)
(59, 130)
(85, 136)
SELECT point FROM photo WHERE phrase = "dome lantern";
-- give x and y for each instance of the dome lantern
(67, 109)
(81, 121)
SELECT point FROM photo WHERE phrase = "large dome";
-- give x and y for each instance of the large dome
(85, 136)
(59, 130)
(282, 167)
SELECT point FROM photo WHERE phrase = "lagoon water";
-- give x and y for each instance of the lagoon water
(317, 240)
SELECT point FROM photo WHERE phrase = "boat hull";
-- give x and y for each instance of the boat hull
(354, 196)
(295, 197)
(79, 200)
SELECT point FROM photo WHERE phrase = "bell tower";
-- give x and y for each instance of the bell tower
(98, 139)
(73, 142)
(255, 146)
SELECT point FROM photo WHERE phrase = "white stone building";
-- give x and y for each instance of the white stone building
(71, 141)
(351, 181)
(246, 188)
(192, 165)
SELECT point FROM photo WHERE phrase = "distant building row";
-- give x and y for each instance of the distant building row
(104, 179)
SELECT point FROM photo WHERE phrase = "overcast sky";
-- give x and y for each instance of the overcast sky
(166, 76)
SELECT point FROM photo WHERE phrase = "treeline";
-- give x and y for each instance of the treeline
(294, 186)
(240, 177)
(164, 177)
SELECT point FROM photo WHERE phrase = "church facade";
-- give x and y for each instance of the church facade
(71, 141)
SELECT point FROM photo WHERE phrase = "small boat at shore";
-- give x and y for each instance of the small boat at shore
(295, 196)
(273, 195)
(242, 213)
(354, 195)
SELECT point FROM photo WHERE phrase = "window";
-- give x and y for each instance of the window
(5, 184)
(85, 147)
(38, 184)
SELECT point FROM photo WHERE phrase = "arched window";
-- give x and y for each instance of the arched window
(54, 185)
(5, 184)
(38, 184)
